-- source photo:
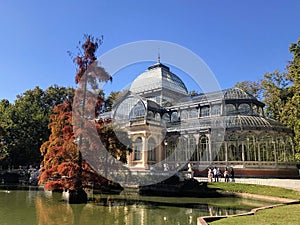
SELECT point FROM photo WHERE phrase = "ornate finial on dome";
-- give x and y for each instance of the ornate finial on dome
(158, 58)
(158, 64)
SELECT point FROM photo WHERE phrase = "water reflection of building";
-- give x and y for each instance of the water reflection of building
(222, 128)
(116, 210)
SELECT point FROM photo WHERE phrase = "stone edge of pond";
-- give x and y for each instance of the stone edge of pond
(283, 201)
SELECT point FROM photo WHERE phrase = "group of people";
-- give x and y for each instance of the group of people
(215, 174)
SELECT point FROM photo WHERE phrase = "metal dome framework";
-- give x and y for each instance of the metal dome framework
(159, 84)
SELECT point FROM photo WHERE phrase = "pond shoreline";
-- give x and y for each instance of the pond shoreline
(283, 201)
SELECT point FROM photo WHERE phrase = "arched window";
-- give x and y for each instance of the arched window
(174, 117)
(230, 109)
(193, 113)
(170, 145)
(232, 152)
(138, 147)
(221, 153)
(150, 115)
(181, 149)
(238, 155)
(191, 147)
(138, 111)
(289, 155)
(244, 109)
(184, 115)
(205, 111)
(281, 150)
(157, 117)
(151, 149)
(266, 148)
(250, 153)
(263, 152)
(166, 118)
(216, 110)
(203, 148)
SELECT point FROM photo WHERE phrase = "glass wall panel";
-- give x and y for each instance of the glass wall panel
(184, 115)
(151, 149)
(174, 117)
(170, 146)
(193, 113)
(166, 117)
(230, 109)
(216, 110)
(231, 152)
(205, 111)
(221, 153)
(137, 111)
(289, 150)
(150, 115)
(250, 150)
(191, 147)
(138, 147)
(203, 148)
(157, 117)
(244, 109)
(129, 108)
(181, 149)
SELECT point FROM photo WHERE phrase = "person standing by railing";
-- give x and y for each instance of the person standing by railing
(226, 175)
(232, 175)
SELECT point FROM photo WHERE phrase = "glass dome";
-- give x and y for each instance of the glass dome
(157, 78)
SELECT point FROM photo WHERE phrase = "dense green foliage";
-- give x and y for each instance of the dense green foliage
(24, 124)
(280, 91)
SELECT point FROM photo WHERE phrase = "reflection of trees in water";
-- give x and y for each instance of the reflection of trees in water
(218, 211)
(116, 210)
(49, 212)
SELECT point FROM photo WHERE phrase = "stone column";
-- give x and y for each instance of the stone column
(145, 152)
(226, 151)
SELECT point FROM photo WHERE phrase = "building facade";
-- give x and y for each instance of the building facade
(170, 128)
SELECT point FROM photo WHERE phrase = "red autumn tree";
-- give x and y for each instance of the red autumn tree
(98, 142)
(76, 130)
(62, 166)
(60, 152)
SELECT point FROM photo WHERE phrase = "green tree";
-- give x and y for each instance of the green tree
(280, 92)
(251, 87)
(5, 123)
(111, 100)
(55, 95)
(275, 92)
(291, 111)
(194, 93)
(24, 124)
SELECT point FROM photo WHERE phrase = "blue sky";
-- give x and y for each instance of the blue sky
(238, 40)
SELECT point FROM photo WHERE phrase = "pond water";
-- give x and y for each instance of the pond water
(30, 207)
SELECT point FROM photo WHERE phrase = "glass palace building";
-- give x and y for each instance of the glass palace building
(170, 129)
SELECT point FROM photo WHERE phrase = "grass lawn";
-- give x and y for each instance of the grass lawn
(287, 214)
